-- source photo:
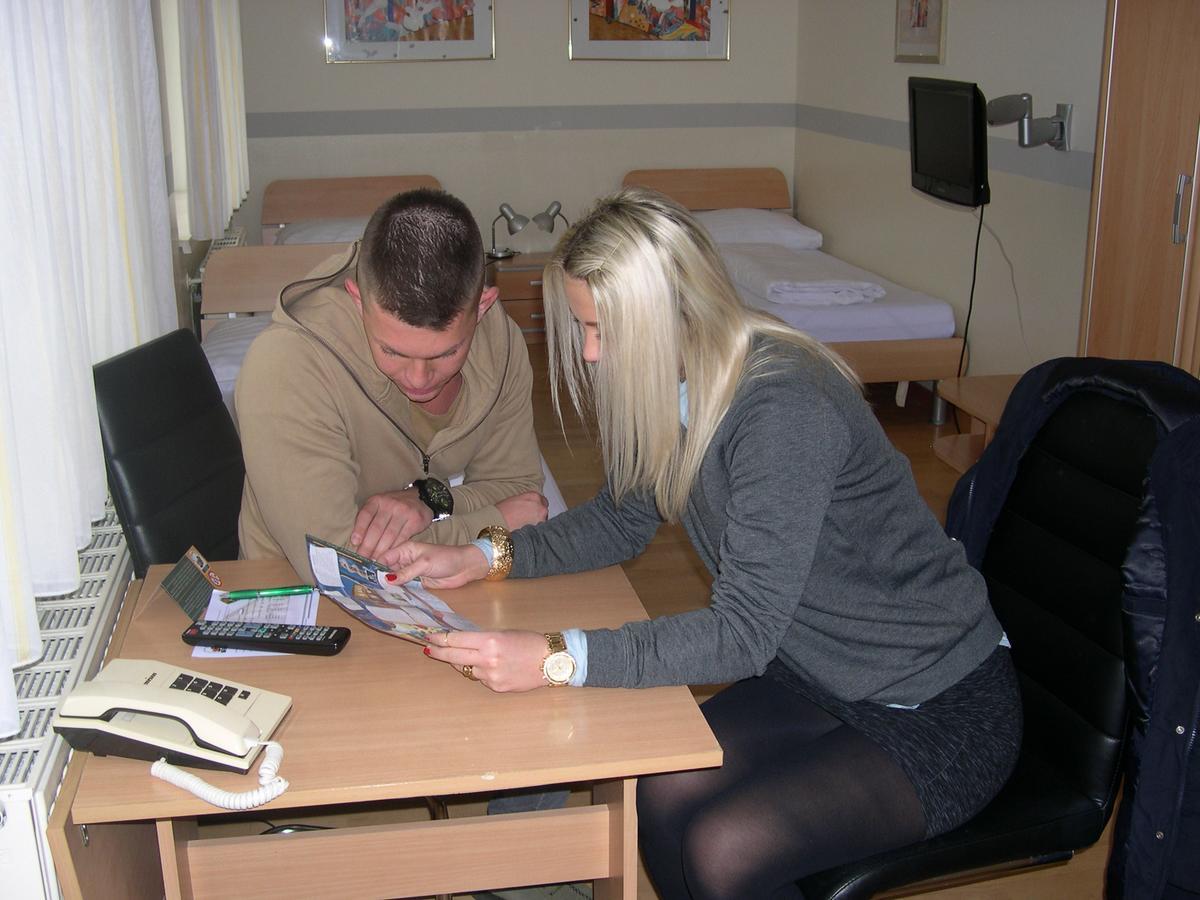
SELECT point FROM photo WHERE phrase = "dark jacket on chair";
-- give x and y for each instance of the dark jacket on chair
(1158, 827)
(1156, 847)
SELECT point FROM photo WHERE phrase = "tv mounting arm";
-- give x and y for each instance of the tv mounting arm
(1053, 130)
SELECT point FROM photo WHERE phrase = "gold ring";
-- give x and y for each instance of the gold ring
(469, 672)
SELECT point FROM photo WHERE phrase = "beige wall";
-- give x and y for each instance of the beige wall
(816, 54)
(858, 192)
(286, 72)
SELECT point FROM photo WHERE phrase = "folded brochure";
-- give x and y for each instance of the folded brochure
(360, 587)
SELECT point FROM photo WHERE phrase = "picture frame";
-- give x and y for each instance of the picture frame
(648, 29)
(920, 31)
(408, 30)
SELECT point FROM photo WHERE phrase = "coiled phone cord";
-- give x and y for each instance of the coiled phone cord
(271, 785)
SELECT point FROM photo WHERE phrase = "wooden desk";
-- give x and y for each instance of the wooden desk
(240, 281)
(380, 721)
(982, 398)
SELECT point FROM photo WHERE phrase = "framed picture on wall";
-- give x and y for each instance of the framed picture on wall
(649, 29)
(920, 31)
(408, 30)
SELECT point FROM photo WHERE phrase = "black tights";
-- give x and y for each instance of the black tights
(799, 792)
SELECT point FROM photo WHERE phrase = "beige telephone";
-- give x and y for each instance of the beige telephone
(145, 709)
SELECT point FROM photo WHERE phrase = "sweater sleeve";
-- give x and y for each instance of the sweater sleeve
(592, 535)
(300, 473)
(780, 451)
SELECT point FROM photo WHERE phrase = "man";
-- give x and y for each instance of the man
(377, 388)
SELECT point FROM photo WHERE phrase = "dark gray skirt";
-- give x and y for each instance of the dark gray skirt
(957, 748)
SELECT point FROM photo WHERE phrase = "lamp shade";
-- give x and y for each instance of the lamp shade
(516, 221)
(545, 219)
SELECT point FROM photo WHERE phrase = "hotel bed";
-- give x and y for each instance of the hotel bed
(304, 221)
(885, 331)
(298, 203)
(241, 284)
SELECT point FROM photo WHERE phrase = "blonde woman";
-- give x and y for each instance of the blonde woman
(874, 703)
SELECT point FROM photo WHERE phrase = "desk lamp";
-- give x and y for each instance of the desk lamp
(515, 221)
(545, 219)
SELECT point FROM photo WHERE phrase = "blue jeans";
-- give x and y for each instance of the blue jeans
(526, 800)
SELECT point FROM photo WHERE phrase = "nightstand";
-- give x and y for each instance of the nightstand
(520, 281)
(982, 398)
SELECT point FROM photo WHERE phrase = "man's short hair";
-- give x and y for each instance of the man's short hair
(421, 258)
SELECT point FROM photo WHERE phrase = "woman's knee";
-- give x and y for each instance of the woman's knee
(672, 795)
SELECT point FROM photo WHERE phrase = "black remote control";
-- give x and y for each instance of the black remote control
(322, 640)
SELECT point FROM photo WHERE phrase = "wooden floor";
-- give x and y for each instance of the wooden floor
(669, 578)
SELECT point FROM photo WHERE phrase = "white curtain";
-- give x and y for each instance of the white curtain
(206, 106)
(86, 273)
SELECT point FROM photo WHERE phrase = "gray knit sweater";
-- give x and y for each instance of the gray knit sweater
(821, 550)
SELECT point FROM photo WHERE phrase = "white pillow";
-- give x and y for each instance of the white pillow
(322, 231)
(758, 226)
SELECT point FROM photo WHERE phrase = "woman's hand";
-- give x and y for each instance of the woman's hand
(437, 566)
(501, 660)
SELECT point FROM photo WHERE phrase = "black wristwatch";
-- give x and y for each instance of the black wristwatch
(436, 495)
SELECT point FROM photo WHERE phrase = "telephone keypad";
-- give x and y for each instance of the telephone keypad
(213, 690)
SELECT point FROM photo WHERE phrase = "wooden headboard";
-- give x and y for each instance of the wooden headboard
(303, 199)
(717, 188)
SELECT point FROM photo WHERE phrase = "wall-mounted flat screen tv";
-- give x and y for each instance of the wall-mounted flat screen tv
(947, 131)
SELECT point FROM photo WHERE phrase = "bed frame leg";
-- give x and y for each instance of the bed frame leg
(938, 416)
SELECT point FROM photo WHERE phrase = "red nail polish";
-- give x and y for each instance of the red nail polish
(391, 576)
(425, 650)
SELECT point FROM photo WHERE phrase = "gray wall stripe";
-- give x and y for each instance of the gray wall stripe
(1073, 169)
(520, 118)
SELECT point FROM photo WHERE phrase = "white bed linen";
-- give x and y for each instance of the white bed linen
(901, 314)
(322, 231)
(775, 273)
(226, 346)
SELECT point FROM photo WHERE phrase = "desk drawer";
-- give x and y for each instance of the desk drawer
(530, 318)
(519, 284)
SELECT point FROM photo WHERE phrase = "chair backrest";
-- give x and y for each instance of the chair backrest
(1066, 477)
(171, 451)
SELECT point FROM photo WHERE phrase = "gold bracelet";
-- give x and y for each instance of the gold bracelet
(502, 549)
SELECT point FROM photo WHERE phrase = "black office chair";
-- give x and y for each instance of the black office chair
(172, 454)
(1048, 515)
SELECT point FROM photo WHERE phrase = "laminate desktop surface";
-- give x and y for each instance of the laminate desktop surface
(381, 721)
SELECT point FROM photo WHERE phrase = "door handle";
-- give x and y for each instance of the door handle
(1177, 234)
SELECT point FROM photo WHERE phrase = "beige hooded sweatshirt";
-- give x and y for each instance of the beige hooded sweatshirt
(323, 429)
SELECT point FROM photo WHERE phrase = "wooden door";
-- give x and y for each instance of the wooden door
(1136, 296)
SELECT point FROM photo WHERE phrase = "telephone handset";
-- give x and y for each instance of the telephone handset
(145, 709)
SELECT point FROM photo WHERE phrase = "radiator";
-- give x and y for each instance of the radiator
(234, 236)
(75, 631)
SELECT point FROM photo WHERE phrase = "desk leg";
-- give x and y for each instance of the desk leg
(173, 837)
(621, 799)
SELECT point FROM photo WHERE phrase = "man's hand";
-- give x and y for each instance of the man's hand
(523, 509)
(386, 520)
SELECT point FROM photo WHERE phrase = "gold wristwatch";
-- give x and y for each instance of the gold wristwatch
(559, 664)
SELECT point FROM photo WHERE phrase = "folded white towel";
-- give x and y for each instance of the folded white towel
(794, 277)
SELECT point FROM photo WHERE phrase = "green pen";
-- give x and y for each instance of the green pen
(289, 591)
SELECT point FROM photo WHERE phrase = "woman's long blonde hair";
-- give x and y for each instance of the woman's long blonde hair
(665, 309)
